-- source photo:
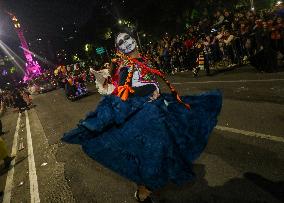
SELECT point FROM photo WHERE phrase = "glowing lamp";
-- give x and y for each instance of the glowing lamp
(4, 72)
(278, 3)
(32, 67)
(12, 70)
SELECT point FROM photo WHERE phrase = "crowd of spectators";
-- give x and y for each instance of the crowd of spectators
(17, 98)
(226, 38)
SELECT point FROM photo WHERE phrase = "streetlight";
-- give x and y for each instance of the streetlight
(120, 22)
(278, 3)
(88, 47)
(252, 5)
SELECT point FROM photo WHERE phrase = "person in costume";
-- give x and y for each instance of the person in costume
(70, 89)
(149, 137)
(75, 87)
(103, 80)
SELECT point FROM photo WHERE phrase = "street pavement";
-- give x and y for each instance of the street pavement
(243, 161)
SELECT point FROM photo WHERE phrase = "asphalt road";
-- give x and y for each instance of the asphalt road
(243, 162)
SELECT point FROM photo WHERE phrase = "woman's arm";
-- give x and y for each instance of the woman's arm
(141, 91)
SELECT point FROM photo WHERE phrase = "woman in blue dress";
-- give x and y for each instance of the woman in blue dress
(143, 135)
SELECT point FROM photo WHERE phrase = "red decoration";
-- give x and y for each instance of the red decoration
(123, 91)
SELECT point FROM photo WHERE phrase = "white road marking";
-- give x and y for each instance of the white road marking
(10, 175)
(227, 81)
(251, 134)
(32, 169)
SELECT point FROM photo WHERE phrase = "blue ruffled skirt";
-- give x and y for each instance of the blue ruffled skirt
(150, 143)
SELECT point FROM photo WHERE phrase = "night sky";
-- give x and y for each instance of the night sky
(85, 21)
(46, 17)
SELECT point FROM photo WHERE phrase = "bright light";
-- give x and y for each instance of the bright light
(31, 65)
(144, 35)
(88, 47)
(252, 8)
(11, 54)
(17, 25)
(39, 39)
(278, 3)
(120, 22)
(36, 56)
(76, 58)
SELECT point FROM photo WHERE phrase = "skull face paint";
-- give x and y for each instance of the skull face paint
(125, 43)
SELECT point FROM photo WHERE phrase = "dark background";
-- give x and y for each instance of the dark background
(65, 26)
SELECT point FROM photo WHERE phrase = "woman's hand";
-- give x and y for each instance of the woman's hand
(155, 95)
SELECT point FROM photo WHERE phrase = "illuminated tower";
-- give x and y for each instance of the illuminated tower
(32, 67)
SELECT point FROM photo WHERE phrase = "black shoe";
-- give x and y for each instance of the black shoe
(8, 160)
(147, 200)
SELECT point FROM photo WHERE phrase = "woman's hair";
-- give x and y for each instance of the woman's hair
(127, 31)
(113, 67)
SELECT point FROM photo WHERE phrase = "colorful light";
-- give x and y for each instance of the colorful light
(278, 3)
(4, 72)
(33, 69)
(12, 70)
(75, 58)
(88, 47)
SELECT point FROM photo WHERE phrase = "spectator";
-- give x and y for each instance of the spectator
(233, 35)
(219, 19)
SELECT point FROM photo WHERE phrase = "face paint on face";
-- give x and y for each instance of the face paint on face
(125, 43)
